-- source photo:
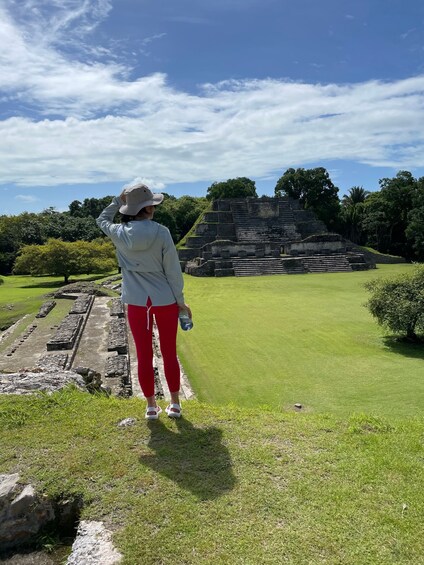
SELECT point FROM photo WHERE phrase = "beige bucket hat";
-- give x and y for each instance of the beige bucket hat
(137, 197)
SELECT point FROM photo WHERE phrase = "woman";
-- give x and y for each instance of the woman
(152, 283)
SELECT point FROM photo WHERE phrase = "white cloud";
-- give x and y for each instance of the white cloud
(110, 127)
(26, 198)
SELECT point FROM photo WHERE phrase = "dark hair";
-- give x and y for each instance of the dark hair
(125, 218)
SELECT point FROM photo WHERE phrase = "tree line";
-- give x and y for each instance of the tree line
(78, 224)
(390, 220)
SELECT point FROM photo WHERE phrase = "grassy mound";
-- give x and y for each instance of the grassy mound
(225, 484)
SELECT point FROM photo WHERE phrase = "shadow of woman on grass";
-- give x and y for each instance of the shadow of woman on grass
(195, 458)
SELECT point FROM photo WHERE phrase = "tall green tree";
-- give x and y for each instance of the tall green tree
(415, 229)
(387, 214)
(15, 231)
(240, 187)
(63, 226)
(375, 223)
(186, 210)
(89, 207)
(60, 258)
(315, 190)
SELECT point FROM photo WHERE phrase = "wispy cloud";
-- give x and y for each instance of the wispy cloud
(148, 40)
(92, 123)
(407, 33)
(27, 198)
(55, 21)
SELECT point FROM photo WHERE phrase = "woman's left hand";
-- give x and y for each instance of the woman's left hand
(187, 309)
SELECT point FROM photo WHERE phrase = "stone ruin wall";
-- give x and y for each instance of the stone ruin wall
(254, 236)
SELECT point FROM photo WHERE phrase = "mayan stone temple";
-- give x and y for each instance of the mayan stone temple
(263, 236)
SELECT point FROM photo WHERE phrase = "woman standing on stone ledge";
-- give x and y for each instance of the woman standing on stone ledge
(152, 283)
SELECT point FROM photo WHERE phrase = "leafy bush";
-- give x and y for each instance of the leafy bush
(398, 303)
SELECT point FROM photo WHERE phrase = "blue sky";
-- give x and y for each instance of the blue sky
(181, 93)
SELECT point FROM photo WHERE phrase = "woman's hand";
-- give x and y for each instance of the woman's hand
(186, 308)
(123, 196)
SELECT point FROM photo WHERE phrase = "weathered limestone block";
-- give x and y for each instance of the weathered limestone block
(31, 381)
(117, 308)
(117, 366)
(85, 287)
(226, 231)
(53, 361)
(92, 379)
(117, 375)
(66, 333)
(111, 280)
(117, 340)
(82, 304)
(93, 545)
(22, 512)
(45, 308)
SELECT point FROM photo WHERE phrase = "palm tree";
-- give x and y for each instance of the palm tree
(352, 208)
(356, 195)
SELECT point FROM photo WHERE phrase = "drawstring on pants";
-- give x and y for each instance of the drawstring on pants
(148, 307)
(148, 316)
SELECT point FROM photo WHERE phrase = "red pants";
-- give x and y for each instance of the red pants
(140, 319)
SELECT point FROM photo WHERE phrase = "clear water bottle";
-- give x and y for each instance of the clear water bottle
(186, 322)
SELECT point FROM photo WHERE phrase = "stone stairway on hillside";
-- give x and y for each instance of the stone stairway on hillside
(253, 267)
(326, 264)
(286, 216)
(244, 231)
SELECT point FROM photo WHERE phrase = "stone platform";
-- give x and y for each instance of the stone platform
(265, 236)
(91, 336)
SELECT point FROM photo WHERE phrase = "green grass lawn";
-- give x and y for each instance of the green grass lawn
(243, 479)
(21, 295)
(226, 485)
(280, 340)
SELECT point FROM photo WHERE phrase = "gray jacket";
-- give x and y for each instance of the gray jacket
(148, 259)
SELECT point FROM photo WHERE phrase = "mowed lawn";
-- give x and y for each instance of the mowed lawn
(20, 295)
(281, 340)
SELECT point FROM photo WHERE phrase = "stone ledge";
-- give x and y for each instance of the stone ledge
(82, 304)
(53, 361)
(117, 308)
(117, 366)
(117, 375)
(117, 340)
(30, 382)
(66, 333)
(46, 308)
